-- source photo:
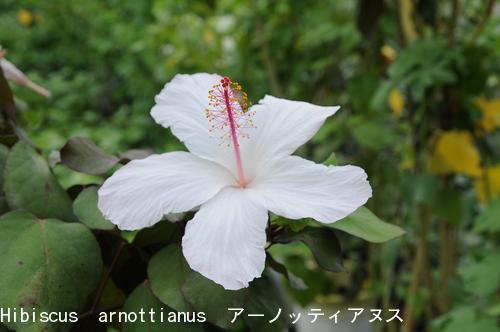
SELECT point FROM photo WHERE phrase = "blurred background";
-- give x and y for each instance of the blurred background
(419, 86)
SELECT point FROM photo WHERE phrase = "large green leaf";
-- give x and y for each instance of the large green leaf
(143, 299)
(31, 186)
(82, 155)
(323, 243)
(46, 264)
(206, 296)
(85, 208)
(265, 297)
(366, 225)
(167, 272)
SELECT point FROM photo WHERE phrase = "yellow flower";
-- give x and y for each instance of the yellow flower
(24, 17)
(388, 52)
(487, 186)
(455, 152)
(491, 113)
(396, 102)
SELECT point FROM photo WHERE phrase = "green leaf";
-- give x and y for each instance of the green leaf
(85, 208)
(82, 155)
(489, 219)
(331, 160)
(361, 89)
(167, 271)
(466, 319)
(212, 299)
(494, 310)
(143, 299)
(323, 243)
(295, 282)
(367, 133)
(31, 186)
(364, 224)
(265, 297)
(483, 277)
(46, 264)
(294, 225)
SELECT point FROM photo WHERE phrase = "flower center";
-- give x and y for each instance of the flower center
(229, 116)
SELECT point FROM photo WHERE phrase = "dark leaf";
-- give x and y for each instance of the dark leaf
(265, 297)
(82, 155)
(134, 154)
(323, 243)
(295, 282)
(162, 233)
(129, 268)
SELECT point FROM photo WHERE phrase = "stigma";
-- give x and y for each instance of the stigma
(230, 118)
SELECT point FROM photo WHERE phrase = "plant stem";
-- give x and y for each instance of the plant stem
(104, 281)
(447, 263)
(482, 23)
(419, 265)
(453, 22)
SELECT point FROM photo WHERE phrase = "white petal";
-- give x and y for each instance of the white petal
(297, 188)
(281, 127)
(181, 106)
(226, 238)
(142, 192)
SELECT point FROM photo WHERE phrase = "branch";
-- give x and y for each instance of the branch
(484, 19)
(405, 8)
(453, 22)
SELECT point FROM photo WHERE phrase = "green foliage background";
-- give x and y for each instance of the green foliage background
(104, 61)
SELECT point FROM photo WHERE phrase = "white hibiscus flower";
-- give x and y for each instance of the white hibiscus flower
(239, 167)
